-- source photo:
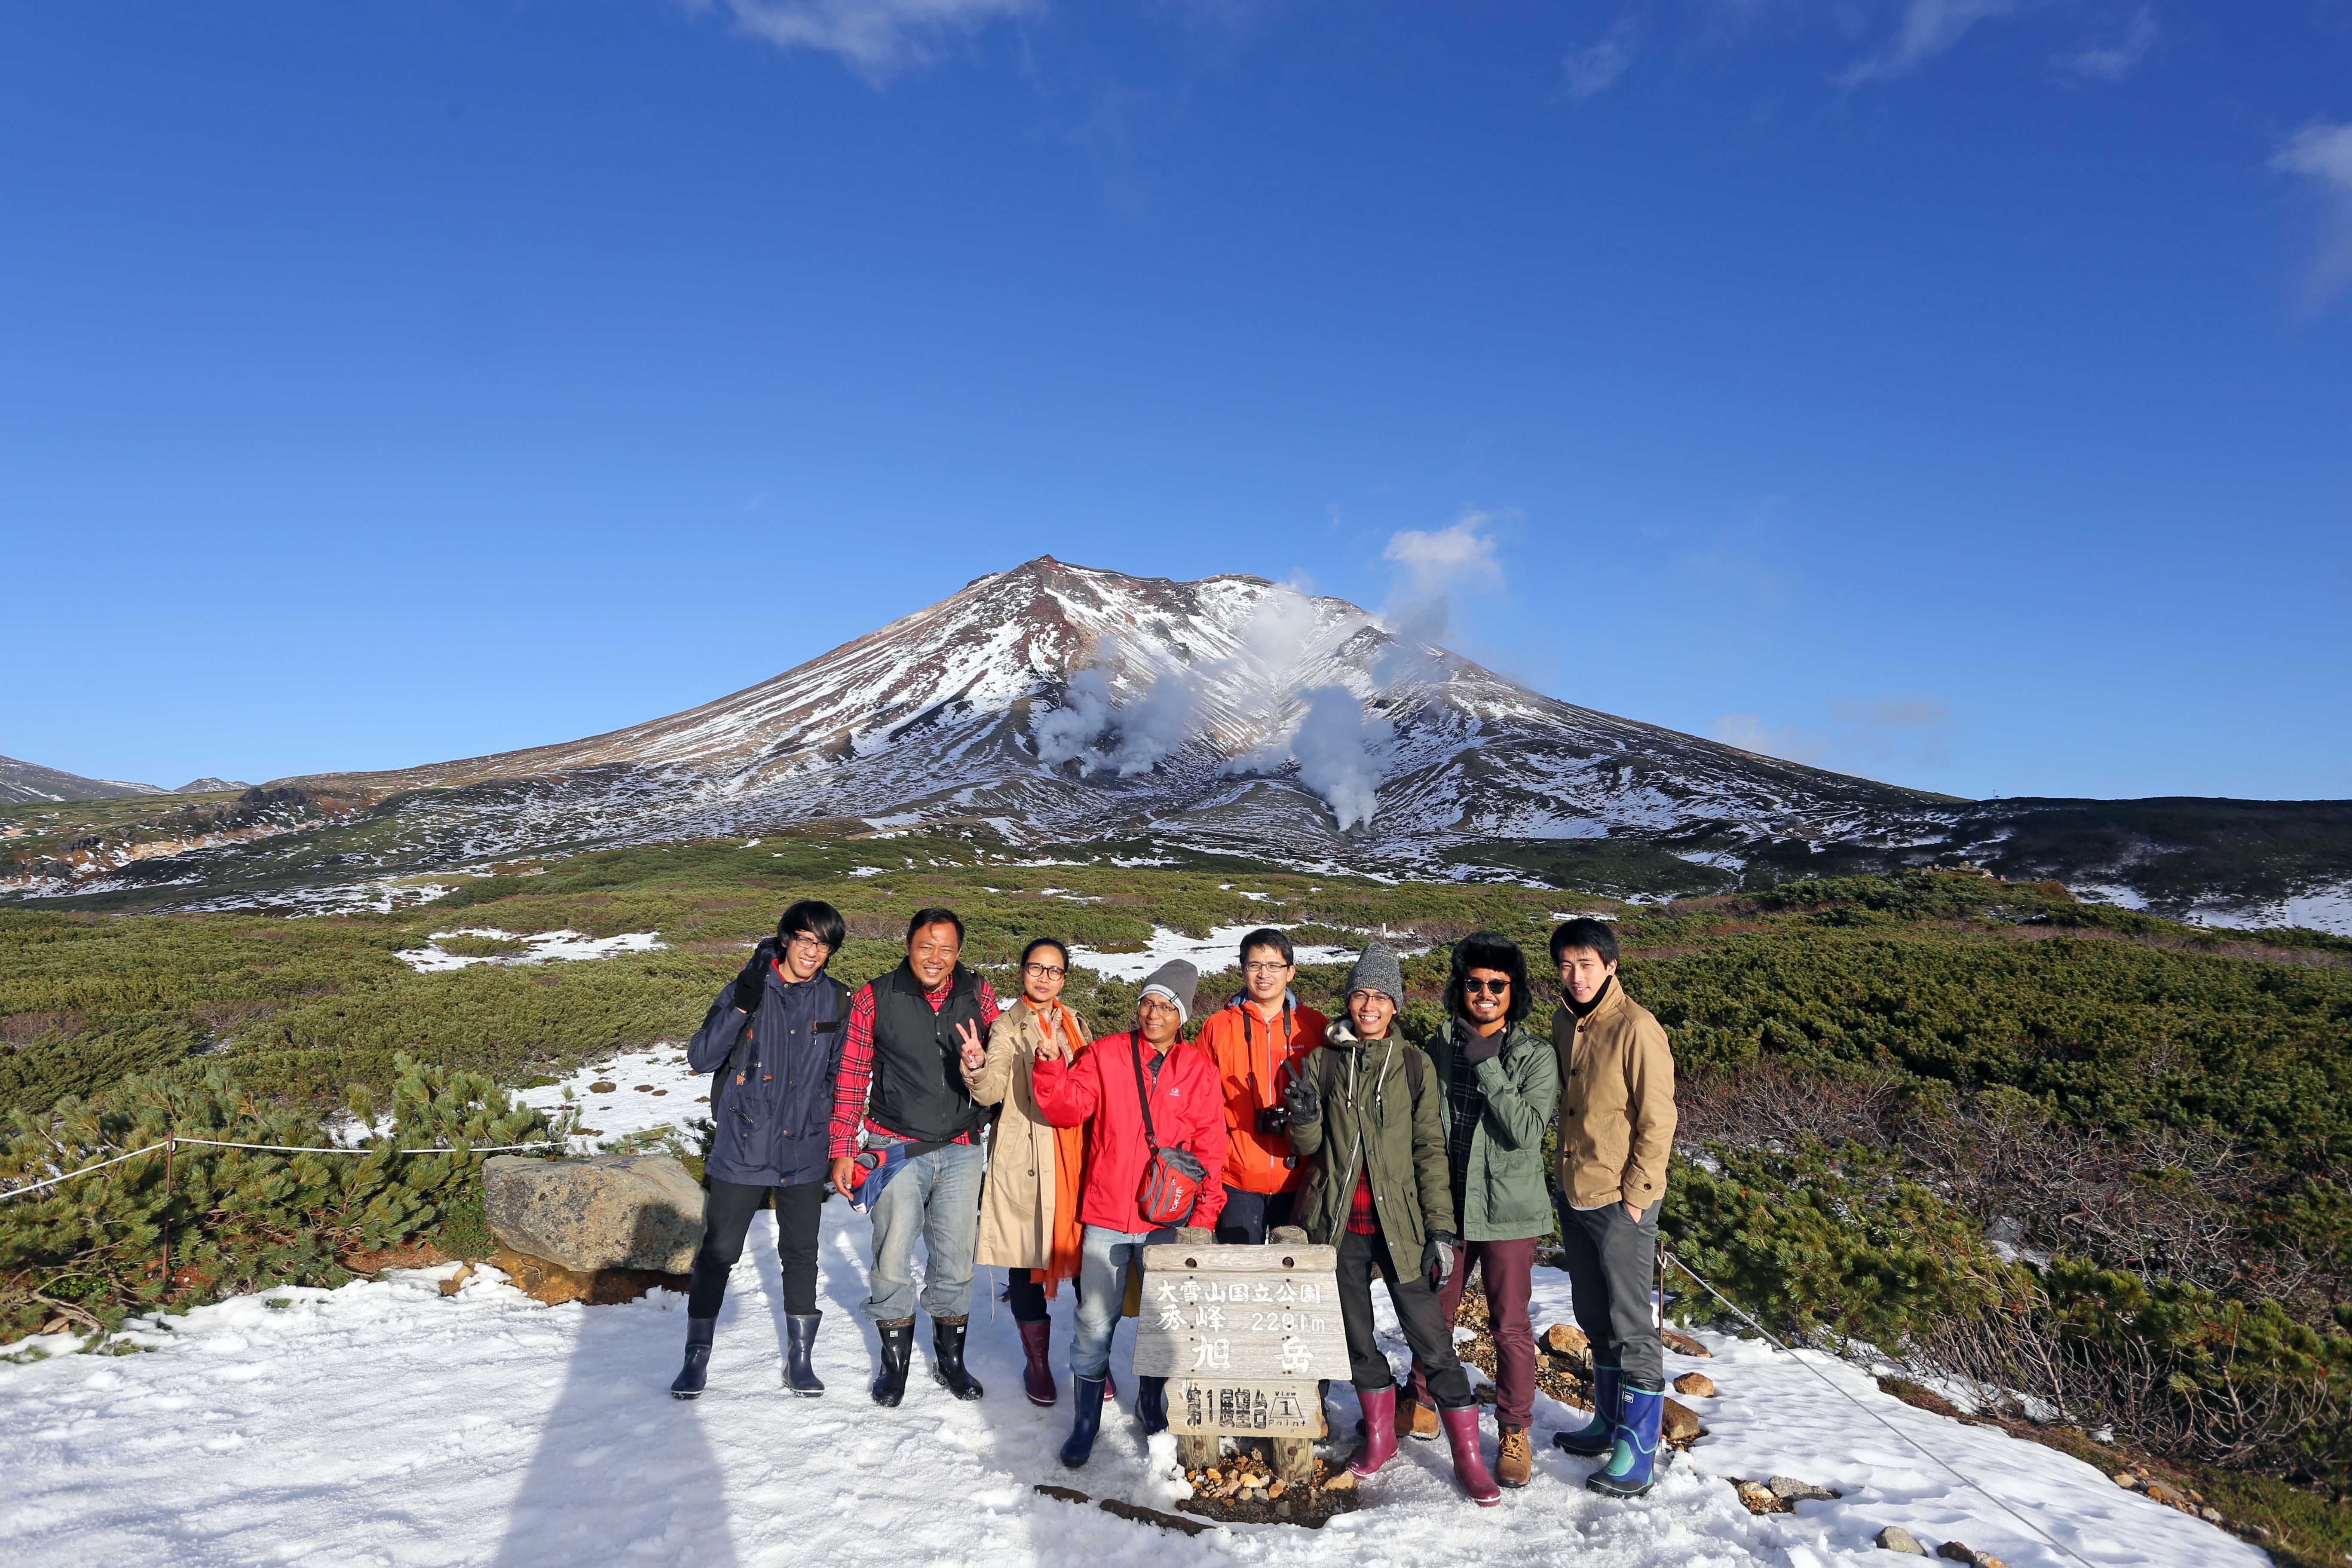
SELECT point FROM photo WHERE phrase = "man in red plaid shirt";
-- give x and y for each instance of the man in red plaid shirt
(905, 1145)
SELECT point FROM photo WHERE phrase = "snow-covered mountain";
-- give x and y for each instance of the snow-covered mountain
(30, 781)
(1054, 702)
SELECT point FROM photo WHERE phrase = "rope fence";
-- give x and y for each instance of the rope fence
(1666, 1257)
(170, 1142)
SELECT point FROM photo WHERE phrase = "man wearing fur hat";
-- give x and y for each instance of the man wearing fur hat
(1139, 1093)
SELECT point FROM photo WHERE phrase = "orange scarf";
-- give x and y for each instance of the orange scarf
(1069, 1162)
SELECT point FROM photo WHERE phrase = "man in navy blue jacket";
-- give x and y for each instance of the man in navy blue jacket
(772, 1043)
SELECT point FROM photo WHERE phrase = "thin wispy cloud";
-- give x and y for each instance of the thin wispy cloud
(1903, 733)
(1929, 28)
(2116, 61)
(2322, 153)
(1436, 566)
(878, 39)
(1750, 733)
(1594, 69)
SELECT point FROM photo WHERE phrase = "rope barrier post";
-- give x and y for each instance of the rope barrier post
(170, 1145)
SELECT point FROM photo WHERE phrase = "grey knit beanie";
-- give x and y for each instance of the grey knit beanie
(1175, 980)
(1378, 970)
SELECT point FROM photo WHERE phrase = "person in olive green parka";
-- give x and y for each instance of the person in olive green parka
(1365, 1115)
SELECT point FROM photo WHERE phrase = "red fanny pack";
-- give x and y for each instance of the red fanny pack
(1171, 1177)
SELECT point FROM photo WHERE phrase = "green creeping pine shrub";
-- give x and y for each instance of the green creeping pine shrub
(1818, 1242)
(1814, 1240)
(90, 1250)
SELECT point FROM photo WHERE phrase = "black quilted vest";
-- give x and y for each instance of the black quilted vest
(918, 1090)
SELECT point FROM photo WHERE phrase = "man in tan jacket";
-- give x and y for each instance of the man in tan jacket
(1616, 1130)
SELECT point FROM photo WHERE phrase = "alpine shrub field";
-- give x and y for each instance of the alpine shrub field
(2096, 1164)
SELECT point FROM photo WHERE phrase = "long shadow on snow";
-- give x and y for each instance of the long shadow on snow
(623, 1470)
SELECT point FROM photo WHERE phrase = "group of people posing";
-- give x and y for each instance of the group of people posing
(1009, 1136)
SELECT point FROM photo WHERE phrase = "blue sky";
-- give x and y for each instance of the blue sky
(1958, 392)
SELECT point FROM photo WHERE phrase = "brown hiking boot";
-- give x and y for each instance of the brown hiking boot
(1423, 1423)
(1514, 1463)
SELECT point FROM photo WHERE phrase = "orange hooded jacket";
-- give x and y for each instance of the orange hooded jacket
(1251, 1057)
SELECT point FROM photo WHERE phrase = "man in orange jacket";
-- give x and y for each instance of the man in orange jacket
(1256, 1040)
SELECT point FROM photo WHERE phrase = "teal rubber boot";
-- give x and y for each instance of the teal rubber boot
(1631, 1469)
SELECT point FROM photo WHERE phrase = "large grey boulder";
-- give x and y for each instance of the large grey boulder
(616, 1211)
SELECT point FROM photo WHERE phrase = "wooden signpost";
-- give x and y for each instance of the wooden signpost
(1242, 1334)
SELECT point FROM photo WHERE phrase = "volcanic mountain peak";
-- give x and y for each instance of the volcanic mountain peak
(1054, 699)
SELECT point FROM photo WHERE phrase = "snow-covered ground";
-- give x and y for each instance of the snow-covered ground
(384, 1423)
(538, 948)
(652, 1089)
(1220, 949)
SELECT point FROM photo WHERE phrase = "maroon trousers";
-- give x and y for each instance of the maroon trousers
(1509, 1268)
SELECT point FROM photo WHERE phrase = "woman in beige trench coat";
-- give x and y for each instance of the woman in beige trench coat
(1029, 1208)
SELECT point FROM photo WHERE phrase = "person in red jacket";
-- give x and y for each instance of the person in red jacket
(1256, 1041)
(1105, 1089)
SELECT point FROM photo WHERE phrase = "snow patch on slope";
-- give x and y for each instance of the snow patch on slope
(571, 946)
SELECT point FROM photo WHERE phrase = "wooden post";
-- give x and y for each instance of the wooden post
(1294, 1459)
(170, 1146)
(1195, 1452)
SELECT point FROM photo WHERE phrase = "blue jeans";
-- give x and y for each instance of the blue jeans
(1104, 1259)
(937, 1197)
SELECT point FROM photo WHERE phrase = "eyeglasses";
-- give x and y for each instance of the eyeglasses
(1485, 987)
(1160, 1003)
(1044, 971)
(1368, 995)
(1265, 968)
(802, 939)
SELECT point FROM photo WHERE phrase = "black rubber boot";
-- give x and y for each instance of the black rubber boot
(947, 1357)
(689, 1382)
(1086, 1399)
(800, 1334)
(897, 1350)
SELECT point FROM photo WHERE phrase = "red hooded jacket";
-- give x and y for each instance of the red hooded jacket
(1099, 1090)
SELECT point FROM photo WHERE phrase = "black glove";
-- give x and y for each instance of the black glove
(1437, 1259)
(1483, 1047)
(1304, 1105)
(753, 981)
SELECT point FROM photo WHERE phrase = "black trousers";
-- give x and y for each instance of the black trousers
(727, 1211)
(1426, 1331)
(1025, 1293)
(1247, 1216)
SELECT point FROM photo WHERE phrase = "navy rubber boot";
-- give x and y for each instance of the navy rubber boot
(1151, 1404)
(689, 1382)
(800, 1336)
(1087, 1404)
(1601, 1435)
(1631, 1469)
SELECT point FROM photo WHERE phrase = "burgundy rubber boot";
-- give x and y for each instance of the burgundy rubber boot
(1037, 1377)
(1379, 1431)
(1469, 1468)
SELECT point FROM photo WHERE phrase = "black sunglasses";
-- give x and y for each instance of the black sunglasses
(1486, 988)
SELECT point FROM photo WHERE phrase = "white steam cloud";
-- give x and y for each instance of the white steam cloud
(1334, 745)
(1087, 729)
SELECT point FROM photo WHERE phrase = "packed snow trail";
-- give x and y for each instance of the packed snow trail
(383, 1422)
